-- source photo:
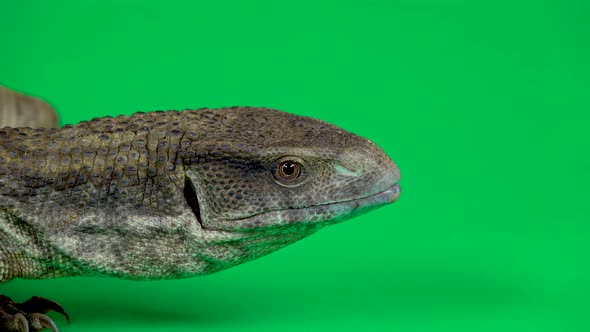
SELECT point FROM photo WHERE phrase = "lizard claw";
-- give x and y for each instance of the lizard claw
(40, 322)
(42, 305)
(21, 322)
(16, 323)
(28, 316)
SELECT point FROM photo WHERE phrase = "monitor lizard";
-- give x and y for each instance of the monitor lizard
(164, 195)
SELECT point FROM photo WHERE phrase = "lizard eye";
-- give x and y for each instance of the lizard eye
(289, 171)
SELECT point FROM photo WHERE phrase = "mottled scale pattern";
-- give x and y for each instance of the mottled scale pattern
(174, 194)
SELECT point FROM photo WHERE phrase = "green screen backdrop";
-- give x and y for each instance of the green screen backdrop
(484, 105)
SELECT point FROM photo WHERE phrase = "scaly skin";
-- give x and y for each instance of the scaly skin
(177, 194)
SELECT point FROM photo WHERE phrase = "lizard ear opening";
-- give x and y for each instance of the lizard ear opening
(190, 195)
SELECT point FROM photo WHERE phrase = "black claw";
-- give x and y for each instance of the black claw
(28, 316)
(43, 306)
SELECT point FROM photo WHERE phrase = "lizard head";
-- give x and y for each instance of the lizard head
(271, 178)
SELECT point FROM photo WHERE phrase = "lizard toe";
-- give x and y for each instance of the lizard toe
(28, 316)
(13, 323)
(40, 322)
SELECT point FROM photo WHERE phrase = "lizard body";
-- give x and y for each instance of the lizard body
(178, 194)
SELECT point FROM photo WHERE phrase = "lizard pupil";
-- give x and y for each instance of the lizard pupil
(289, 170)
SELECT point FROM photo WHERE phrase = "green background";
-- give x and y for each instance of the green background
(484, 105)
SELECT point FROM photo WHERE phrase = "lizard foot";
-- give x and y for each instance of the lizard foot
(28, 316)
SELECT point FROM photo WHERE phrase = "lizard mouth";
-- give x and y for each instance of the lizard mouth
(333, 212)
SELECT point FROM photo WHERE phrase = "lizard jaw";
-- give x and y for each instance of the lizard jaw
(328, 213)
